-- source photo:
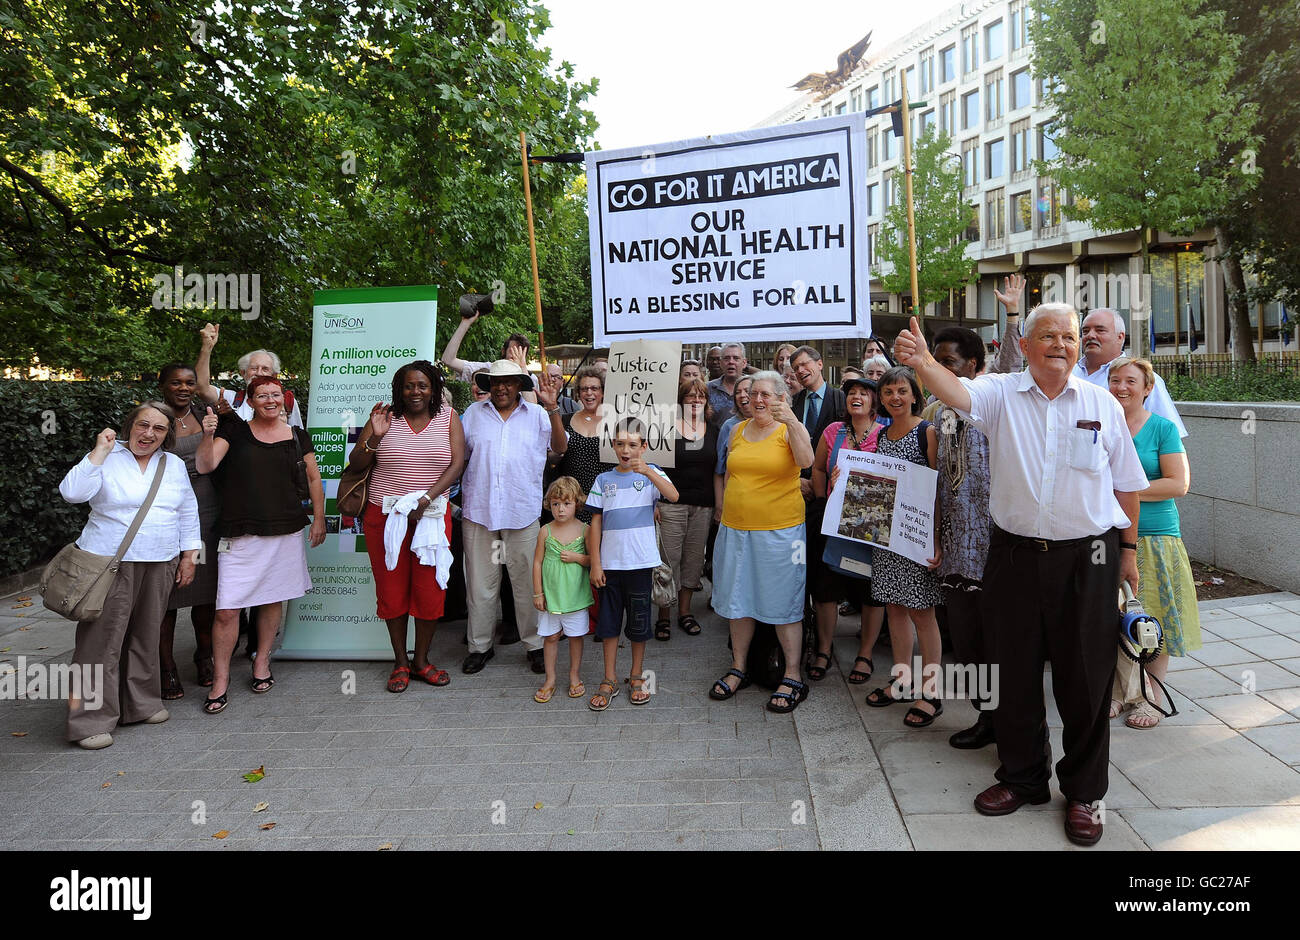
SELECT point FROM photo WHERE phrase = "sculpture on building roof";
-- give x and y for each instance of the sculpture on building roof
(823, 84)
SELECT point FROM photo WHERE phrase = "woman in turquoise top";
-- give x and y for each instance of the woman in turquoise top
(1165, 588)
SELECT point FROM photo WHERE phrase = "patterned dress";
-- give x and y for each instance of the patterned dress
(895, 579)
(582, 462)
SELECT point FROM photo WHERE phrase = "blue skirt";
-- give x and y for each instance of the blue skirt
(760, 574)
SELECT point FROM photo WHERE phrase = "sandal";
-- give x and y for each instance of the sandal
(206, 670)
(1117, 708)
(923, 719)
(214, 706)
(171, 685)
(815, 672)
(799, 693)
(633, 691)
(663, 630)
(431, 674)
(605, 694)
(399, 679)
(689, 624)
(543, 695)
(1143, 718)
(263, 685)
(880, 698)
(857, 676)
(577, 691)
(721, 691)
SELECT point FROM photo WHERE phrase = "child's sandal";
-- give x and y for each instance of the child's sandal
(637, 694)
(605, 693)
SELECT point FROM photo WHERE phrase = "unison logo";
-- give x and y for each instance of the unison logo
(53, 681)
(345, 324)
(76, 893)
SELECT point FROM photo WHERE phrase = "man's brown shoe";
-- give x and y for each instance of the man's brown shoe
(1000, 800)
(1082, 824)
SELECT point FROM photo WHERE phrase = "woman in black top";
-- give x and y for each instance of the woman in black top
(684, 525)
(582, 458)
(268, 465)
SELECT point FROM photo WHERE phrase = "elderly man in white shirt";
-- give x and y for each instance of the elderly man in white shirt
(1103, 343)
(1064, 502)
(506, 439)
(116, 478)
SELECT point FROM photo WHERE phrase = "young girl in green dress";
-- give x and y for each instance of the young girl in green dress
(561, 588)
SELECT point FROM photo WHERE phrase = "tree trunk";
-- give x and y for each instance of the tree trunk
(1234, 283)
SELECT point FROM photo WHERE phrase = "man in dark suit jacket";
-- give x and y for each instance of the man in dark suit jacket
(817, 406)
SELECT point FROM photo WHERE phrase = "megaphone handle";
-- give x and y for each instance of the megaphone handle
(1126, 592)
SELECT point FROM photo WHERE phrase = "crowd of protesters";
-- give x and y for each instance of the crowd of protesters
(466, 515)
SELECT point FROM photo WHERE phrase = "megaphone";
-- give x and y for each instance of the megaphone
(471, 304)
(1142, 631)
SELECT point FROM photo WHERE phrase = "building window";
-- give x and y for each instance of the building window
(1022, 212)
(1020, 97)
(891, 196)
(873, 235)
(995, 159)
(855, 99)
(887, 146)
(910, 74)
(1019, 25)
(873, 97)
(993, 90)
(873, 153)
(970, 162)
(1046, 146)
(927, 71)
(970, 110)
(994, 42)
(826, 109)
(1048, 205)
(927, 121)
(889, 87)
(841, 108)
(948, 113)
(970, 49)
(972, 233)
(1020, 155)
(995, 215)
(873, 199)
(948, 64)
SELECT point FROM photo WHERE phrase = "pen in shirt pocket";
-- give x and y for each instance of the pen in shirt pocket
(1093, 426)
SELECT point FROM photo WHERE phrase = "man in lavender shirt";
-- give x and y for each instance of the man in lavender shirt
(506, 439)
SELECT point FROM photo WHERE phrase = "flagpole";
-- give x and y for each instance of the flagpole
(532, 251)
(917, 310)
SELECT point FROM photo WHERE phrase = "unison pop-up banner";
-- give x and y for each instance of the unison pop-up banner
(359, 339)
(757, 235)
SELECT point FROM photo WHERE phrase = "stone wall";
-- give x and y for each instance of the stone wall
(1243, 509)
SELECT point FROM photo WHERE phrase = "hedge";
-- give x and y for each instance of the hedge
(1245, 383)
(54, 425)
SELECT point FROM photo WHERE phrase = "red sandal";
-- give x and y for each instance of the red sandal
(432, 675)
(399, 679)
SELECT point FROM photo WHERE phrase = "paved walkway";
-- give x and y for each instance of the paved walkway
(478, 765)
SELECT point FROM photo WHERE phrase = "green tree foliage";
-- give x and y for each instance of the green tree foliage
(1146, 111)
(313, 143)
(941, 217)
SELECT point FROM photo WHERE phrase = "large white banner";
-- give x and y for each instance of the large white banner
(756, 235)
(883, 501)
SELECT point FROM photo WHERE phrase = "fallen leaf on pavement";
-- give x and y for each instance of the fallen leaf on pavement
(19, 734)
(106, 784)
(570, 832)
(261, 807)
(17, 606)
(27, 598)
(537, 806)
(266, 826)
(121, 773)
(385, 847)
(255, 775)
(221, 835)
(23, 629)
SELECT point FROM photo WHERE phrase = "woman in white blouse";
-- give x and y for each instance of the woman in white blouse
(118, 652)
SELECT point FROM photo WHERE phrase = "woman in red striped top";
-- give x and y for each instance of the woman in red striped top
(417, 444)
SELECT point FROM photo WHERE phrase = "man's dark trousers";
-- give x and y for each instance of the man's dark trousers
(1058, 606)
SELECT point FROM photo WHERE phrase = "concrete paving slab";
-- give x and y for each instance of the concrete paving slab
(1021, 831)
(1185, 767)
(1217, 829)
(1202, 683)
(1271, 647)
(1285, 699)
(1246, 711)
(1221, 653)
(1282, 741)
(1237, 628)
(1258, 675)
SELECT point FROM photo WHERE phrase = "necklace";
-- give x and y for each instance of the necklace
(955, 456)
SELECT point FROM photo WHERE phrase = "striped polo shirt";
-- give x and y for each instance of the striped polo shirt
(408, 461)
(626, 502)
